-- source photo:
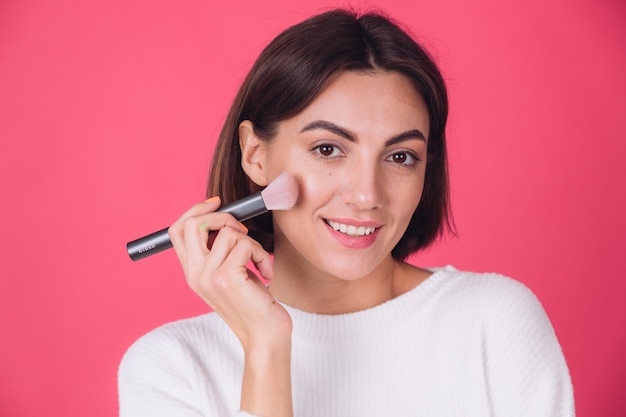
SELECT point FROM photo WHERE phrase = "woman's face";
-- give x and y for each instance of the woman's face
(359, 154)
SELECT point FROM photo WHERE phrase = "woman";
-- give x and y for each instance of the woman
(356, 111)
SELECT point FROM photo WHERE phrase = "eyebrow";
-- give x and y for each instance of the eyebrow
(337, 130)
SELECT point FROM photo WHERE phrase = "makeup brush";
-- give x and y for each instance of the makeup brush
(280, 194)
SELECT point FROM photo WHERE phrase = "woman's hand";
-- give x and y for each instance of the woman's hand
(220, 277)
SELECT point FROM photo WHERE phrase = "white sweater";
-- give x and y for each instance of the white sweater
(459, 344)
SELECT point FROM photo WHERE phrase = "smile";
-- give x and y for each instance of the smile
(351, 230)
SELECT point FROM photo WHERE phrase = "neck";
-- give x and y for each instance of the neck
(313, 291)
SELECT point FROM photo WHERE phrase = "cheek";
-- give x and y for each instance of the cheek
(407, 200)
(316, 187)
(314, 191)
(409, 206)
(417, 193)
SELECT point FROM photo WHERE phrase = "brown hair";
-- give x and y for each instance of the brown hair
(287, 77)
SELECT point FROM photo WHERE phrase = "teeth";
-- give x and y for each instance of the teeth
(351, 230)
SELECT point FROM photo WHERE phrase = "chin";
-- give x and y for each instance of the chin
(351, 271)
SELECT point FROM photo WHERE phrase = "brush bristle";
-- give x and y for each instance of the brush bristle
(281, 194)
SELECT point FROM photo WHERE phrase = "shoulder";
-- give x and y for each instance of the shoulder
(519, 349)
(506, 313)
(480, 281)
(163, 371)
(490, 290)
(179, 332)
(181, 368)
(496, 303)
(177, 345)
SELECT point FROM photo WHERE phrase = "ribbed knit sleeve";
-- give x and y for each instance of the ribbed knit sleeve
(151, 383)
(175, 371)
(525, 368)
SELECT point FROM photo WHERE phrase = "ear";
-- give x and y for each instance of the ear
(253, 153)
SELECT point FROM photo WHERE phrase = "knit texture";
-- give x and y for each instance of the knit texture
(459, 344)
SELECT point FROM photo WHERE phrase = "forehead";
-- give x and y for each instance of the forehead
(378, 103)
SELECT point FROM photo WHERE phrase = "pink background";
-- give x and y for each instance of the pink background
(108, 112)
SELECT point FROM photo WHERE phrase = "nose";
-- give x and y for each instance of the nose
(363, 187)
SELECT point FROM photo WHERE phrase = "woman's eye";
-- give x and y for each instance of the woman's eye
(403, 158)
(327, 150)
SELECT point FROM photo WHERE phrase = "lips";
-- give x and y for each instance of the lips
(351, 230)
(353, 234)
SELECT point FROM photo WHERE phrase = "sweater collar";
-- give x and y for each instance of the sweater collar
(342, 328)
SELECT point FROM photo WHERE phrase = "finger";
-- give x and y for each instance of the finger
(250, 250)
(207, 206)
(219, 220)
(225, 240)
(263, 264)
(201, 231)
(196, 233)
(195, 230)
(176, 230)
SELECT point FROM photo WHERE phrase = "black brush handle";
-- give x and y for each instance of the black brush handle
(243, 209)
(149, 245)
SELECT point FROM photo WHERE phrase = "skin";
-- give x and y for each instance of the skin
(359, 154)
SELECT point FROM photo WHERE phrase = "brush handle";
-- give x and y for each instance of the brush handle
(244, 209)
(149, 245)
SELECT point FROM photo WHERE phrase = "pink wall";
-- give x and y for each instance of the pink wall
(108, 110)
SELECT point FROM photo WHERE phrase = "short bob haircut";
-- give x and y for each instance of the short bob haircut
(287, 77)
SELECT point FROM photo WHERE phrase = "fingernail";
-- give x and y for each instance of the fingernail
(212, 199)
(243, 227)
(204, 226)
